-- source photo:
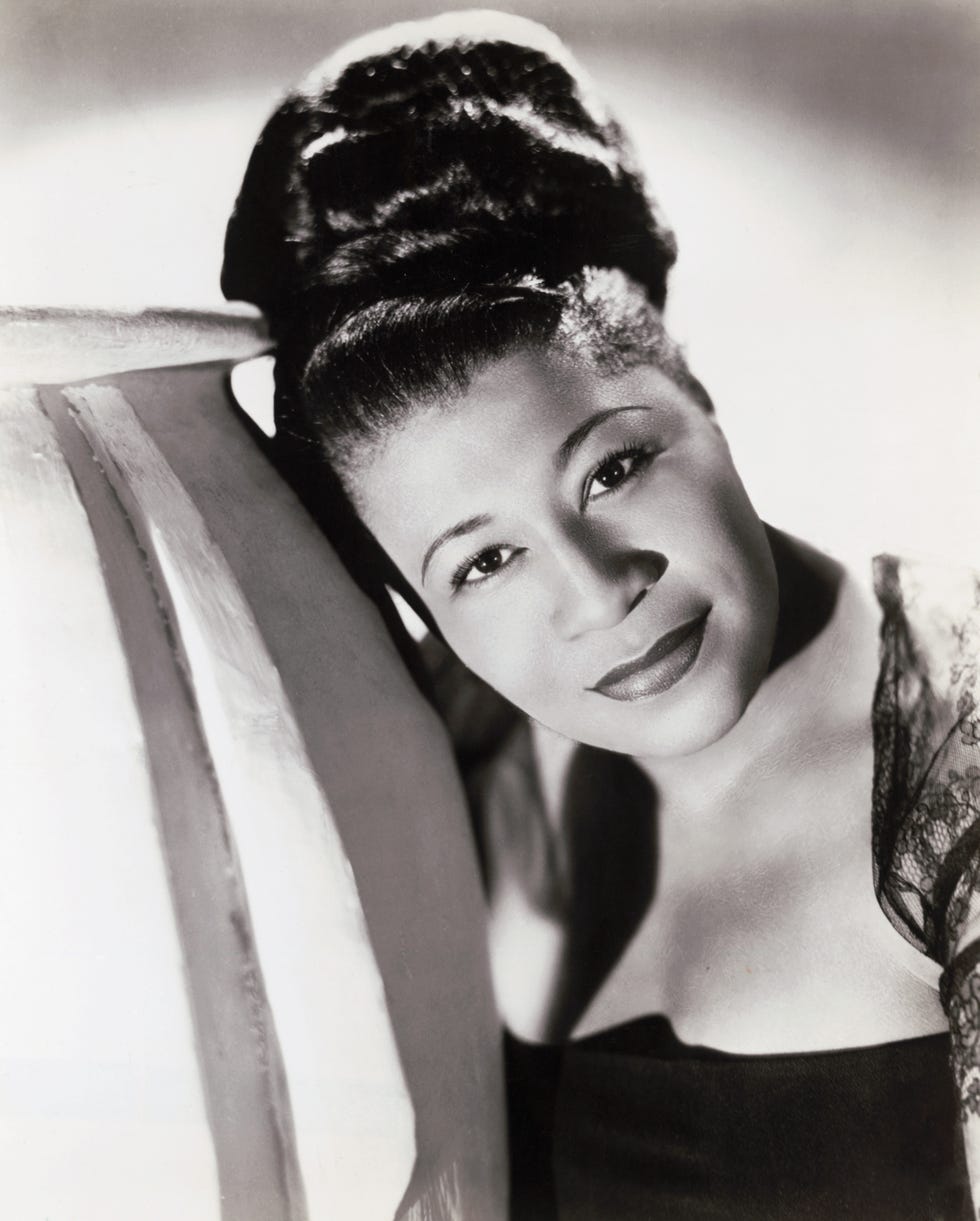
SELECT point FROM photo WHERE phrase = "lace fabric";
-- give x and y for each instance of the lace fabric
(926, 800)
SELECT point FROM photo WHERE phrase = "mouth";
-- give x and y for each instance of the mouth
(659, 668)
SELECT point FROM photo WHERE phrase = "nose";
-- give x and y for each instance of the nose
(599, 585)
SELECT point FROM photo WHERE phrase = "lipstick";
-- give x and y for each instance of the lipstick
(659, 668)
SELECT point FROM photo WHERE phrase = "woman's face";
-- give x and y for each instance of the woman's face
(586, 547)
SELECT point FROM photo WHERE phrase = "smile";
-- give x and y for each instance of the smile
(659, 668)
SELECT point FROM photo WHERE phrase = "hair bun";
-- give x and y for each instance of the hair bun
(435, 155)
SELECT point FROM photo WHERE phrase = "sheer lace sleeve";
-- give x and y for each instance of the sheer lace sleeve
(926, 811)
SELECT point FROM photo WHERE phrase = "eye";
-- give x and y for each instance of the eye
(483, 565)
(613, 471)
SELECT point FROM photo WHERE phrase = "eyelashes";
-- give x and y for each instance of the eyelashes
(492, 559)
(619, 466)
(611, 473)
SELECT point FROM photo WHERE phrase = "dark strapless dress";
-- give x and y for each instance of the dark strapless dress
(633, 1125)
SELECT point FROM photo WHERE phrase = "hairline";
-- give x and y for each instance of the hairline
(674, 368)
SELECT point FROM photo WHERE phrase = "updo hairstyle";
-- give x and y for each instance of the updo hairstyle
(433, 196)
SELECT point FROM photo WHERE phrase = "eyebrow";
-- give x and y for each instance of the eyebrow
(576, 437)
(457, 531)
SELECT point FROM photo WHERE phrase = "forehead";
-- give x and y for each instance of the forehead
(508, 407)
(488, 445)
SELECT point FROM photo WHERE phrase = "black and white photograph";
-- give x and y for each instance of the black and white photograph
(490, 611)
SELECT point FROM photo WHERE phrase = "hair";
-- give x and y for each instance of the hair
(431, 197)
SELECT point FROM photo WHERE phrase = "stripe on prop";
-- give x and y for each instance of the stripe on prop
(239, 1055)
(101, 1107)
(353, 1119)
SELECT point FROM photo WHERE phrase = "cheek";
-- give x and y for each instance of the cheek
(723, 547)
(698, 513)
(749, 545)
(748, 571)
(733, 536)
(505, 649)
(515, 651)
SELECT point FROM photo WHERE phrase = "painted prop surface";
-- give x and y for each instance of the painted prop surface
(244, 961)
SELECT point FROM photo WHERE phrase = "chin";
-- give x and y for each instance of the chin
(700, 724)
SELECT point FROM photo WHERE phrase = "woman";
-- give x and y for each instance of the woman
(720, 760)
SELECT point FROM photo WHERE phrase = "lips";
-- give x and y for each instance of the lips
(659, 668)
